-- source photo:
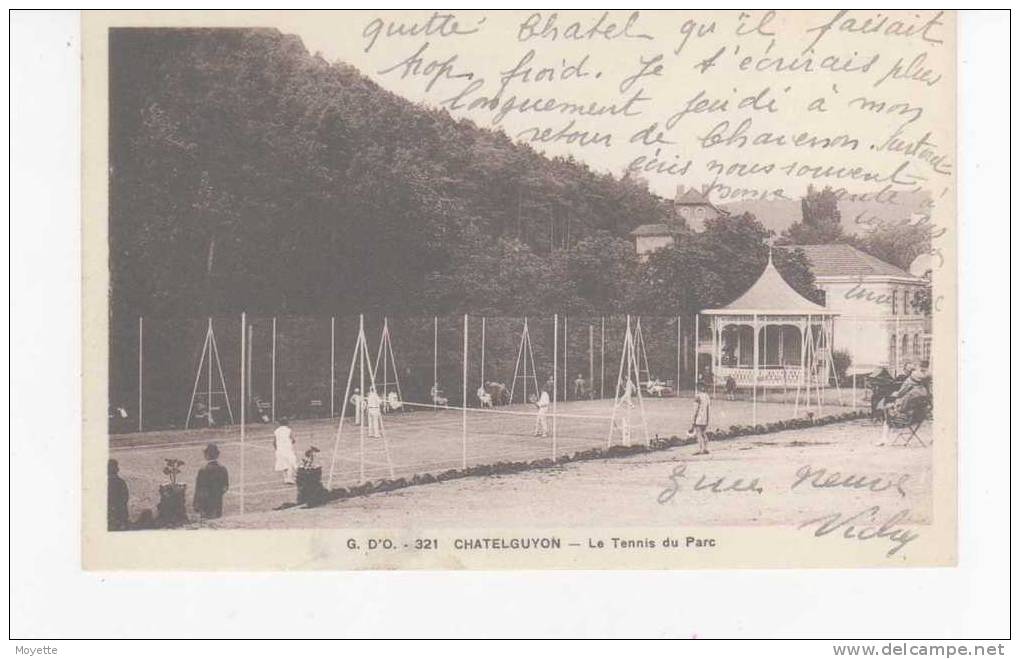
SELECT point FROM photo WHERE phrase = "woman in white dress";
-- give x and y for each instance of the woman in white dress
(286, 460)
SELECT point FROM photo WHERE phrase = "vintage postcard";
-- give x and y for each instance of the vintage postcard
(519, 289)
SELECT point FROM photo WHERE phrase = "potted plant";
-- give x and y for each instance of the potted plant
(172, 508)
(309, 479)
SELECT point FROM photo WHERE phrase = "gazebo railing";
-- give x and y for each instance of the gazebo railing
(768, 376)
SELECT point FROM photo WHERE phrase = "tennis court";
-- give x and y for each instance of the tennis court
(417, 440)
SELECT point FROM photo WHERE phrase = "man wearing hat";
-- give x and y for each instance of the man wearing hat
(210, 485)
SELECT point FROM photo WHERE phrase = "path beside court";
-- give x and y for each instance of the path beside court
(626, 491)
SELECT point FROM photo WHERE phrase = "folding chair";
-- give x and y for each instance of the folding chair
(906, 425)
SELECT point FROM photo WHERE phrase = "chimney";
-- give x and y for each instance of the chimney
(679, 190)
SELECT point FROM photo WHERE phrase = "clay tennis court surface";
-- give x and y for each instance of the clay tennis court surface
(419, 441)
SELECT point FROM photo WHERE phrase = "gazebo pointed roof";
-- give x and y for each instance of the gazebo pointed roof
(771, 294)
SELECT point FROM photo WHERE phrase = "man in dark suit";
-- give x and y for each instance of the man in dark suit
(210, 485)
(116, 498)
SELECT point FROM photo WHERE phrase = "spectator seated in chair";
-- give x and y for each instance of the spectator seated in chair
(912, 395)
(916, 376)
(393, 402)
(263, 410)
(203, 413)
(484, 397)
(908, 408)
(658, 388)
(119, 418)
(498, 393)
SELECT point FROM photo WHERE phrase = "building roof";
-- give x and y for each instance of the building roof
(691, 196)
(772, 295)
(839, 260)
(655, 230)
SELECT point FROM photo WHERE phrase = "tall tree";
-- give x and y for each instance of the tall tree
(820, 221)
(899, 242)
(712, 268)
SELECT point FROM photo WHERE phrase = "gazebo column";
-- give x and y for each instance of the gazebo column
(754, 384)
(716, 358)
(812, 358)
(830, 342)
(697, 352)
(800, 376)
(782, 360)
(896, 339)
(765, 354)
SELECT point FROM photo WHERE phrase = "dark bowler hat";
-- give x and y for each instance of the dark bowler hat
(211, 452)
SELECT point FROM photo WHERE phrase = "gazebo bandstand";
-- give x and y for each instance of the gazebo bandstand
(771, 337)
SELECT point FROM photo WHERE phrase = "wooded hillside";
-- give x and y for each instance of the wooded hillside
(248, 174)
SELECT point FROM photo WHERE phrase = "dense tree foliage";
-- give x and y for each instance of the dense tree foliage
(899, 242)
(247, 174)
(821, 220)
(712, 268)
(894, 241)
